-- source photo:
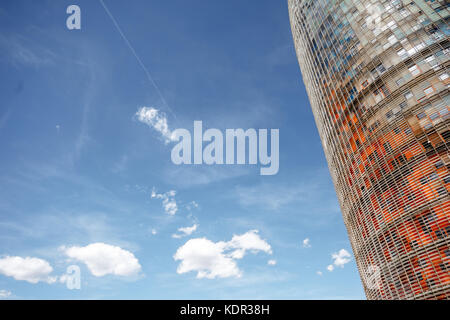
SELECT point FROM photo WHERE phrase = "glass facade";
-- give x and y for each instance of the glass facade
(377, 77)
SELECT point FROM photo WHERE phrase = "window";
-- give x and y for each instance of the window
(421, 115)
(404, 13)
(428, 90)
(381, 68)
(392, 39)
(414, 70)
(365, 84)
(427, 106)
(402, 53)
(384, 90)
(389, 114)
(443, 76)
(403, 105)
(434, 116)
(374, 73)
(429, 59)
(439, 164)
(387, 147)
(408, 95)
(443, 112)
(400, 81)
(396, 110)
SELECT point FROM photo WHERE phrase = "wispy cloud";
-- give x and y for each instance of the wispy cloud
(83, 136)
(191, 205)
(188, 176)
(156, 120)
(306, 243)
(186, 231)
(21, 50)
(269, 195)
(4, 117)
(121, 164)
(4, 294)
(168, 201)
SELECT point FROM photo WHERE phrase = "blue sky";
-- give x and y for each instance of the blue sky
(78, 168)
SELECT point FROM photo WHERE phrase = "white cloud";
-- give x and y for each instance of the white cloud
(154, 231)
(168, 201)
(64, 278)
(185, 231)
(306, 243)
(157, 120)
(272, 262)
(218, 259)
(191, 205)
(28, 269)
(319, 273)
(207, 258)
(248, 241)
(102, 259)
(341, 258)
(5, 294)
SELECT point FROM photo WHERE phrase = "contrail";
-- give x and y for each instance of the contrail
(147, 73)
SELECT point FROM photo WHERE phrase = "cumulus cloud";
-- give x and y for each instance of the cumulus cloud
(157, 120)
(306, 243)
(218, 259)
(168, 201)
(102, 259)
(185, 231)
(207, 258)
(319, 273)
(272, 262)
(29, 269)
(247, 241)
(5, 294)
(341, 258)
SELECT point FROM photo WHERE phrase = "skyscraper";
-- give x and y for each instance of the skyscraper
(377, 77)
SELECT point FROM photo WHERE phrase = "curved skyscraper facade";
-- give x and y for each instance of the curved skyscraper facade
(377, 76)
